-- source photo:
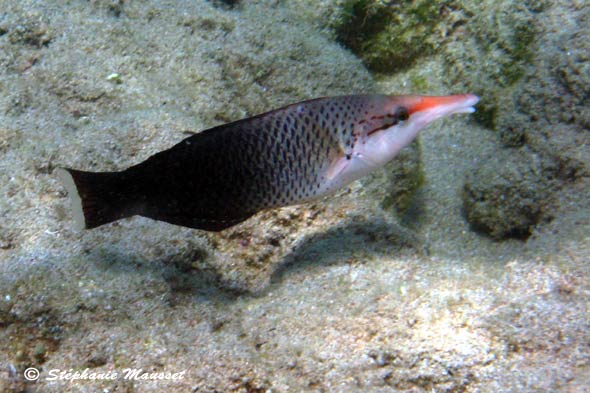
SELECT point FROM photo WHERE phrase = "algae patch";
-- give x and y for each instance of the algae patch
(388, 35)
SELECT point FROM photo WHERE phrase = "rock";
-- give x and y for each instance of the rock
(507, 197)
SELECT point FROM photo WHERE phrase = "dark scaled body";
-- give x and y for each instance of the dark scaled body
(221, 176)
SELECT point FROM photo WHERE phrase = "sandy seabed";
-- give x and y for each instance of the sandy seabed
(335, 296)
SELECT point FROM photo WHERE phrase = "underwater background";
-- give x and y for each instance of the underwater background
(463, 265)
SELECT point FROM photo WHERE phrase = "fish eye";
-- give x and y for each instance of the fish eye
(402, 113)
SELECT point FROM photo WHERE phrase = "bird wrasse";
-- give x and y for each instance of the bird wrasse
(221, 176)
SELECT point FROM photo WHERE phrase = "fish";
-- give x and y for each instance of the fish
(222, 176)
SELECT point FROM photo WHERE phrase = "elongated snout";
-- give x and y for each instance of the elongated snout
(446, 105)
(426, 109)
(423, 110)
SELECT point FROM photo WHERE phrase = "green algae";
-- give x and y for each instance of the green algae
(388, 36)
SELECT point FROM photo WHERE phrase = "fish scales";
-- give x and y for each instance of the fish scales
(223, 175)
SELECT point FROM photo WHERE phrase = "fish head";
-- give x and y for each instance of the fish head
(390, 124)
(397, 120)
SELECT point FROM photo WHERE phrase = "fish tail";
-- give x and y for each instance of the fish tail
(97, 198)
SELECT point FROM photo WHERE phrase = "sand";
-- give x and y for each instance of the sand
(340, 295)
